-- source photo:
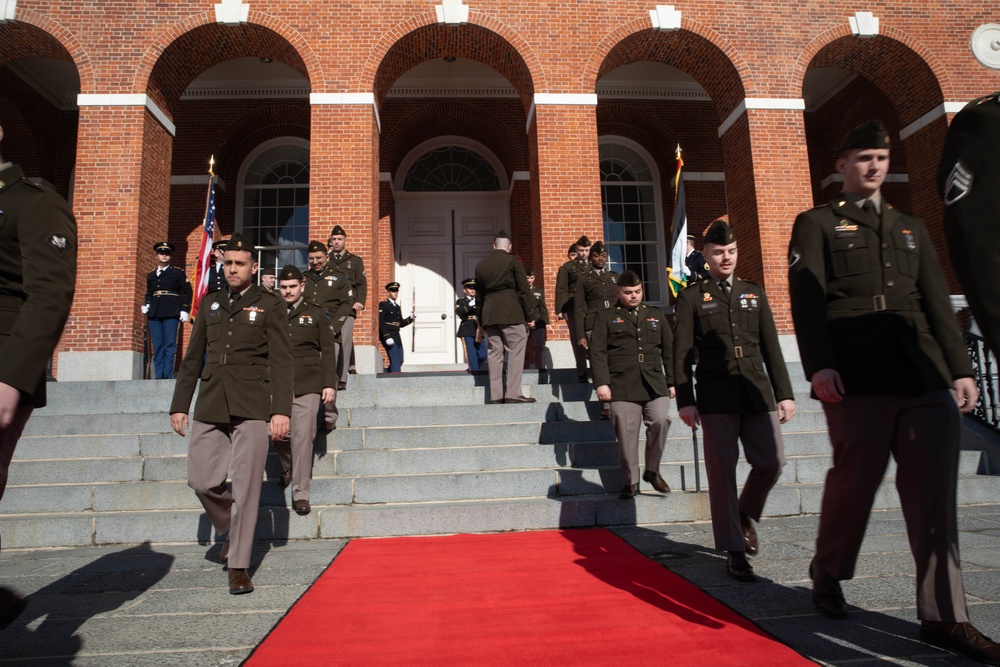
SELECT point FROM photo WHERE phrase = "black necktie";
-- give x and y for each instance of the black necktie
(724, 286)
(869, 208)
(233, 298)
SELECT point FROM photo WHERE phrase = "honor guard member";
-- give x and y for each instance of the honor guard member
(354, 267)
(468, 327)
(883, 351)
(37, 283)
(246, 386)
(566, 279)
(967, 180)
(315, 361)
(217, 272)
(727, 323)
(596, 290)
(390, 321)
(697, 267)
(538, 321)
(630, 353)
(501, 306)
(167, 302)
(330, 288)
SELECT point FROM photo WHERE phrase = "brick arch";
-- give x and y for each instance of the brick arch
(34, 35)
(625, 120)
(704, 54)
(174, 59)
(422, 38)
(896, 63)
(457, 118)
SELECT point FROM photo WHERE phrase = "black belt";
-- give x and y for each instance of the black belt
(312, 354)
(739, 352)
(873, 304)
(237, 360)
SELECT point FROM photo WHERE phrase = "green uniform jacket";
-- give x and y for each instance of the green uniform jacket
(37, 280)
(249, 370)
(735, 338)
(869, 299)
(501, 290)
(566, 279)
(594, 293)
(354, 267)
(538, 312)
(313, 348)
(632, 354)
(332, 290)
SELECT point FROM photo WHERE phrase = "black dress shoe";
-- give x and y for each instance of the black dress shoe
(658, 482)
(749, 534)
(496, 401)
(605, 413)
(239, 582)
(224, 553)
(301, 507)
(520, 399)
(827, 596)
(582, 379)
(962, 638)
(11, 606)
(341, 386)
(629, 491)
(285, 479)
(739, 567)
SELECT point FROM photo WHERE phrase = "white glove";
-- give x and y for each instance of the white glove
(413, 315)
(145, 308)
(184, 316)
(389, 342)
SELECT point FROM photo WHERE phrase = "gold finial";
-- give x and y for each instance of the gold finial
(677, 152)
(211, 165)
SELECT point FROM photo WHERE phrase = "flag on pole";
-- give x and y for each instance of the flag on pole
(202, 273)
(678, 232)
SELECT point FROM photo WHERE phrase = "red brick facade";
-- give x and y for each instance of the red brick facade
(761, 156)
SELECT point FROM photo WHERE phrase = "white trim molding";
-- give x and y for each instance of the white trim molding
(232, 12)
(665, 17)
(774, 103)
(563, 99)
(717, 176)
(929, 117)
(863, 24)
(127, 100)
(452, 12)
(514, 177)
(839, 178)
(347, 98)
(197, 179)
(9, 8)
(386, 177)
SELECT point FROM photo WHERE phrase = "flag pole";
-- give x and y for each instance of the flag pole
(208, 232)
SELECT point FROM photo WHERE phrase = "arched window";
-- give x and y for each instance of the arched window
(451, 169)
(632, 220)
(275, 202)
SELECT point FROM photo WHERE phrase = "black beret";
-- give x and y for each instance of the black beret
(629, 279)
(583, 242)
(164, 246)
(598, 248)
(220, 244)
(317, 246)
(239, 242)
(338, 231)
(720, 233)
(469, 282)
(290, 272)
(867, 135)
(392, 287)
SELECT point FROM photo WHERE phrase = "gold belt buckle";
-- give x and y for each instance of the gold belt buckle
(739, 351)
(879, 302)
(640, 357)
(222, 359)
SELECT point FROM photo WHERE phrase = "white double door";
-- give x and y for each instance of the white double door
(439, 241)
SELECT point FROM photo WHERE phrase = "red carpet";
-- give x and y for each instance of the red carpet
(577, 597)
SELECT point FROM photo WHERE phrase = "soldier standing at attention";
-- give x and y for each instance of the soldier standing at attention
(596, 290)
(37, 283)
(390, 321)
(315, 361)
(331, 288)
(884, 354)
(566, 279)
(538, 322)
(468, 328)
(217, 272)
(697, 268)
(354, 267)
(630, 357)
(501, 306)
(246, 387)
(167, 303)
(727, 321)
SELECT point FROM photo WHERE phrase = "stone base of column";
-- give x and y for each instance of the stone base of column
(368, 359)
(86, 366)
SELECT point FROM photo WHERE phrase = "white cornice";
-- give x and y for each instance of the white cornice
(839, 178)
(127, 100)
(930, 117)
(775, 103)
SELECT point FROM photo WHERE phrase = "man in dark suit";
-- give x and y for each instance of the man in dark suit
(390, 321)
(566, 279)
(468, 327)
(697, 267)
(315, 361)
(501, 306)
(596, 290)
(727, 321)
(167, 303)
(217, 271)
(630, 356)
(884, 354)
(354, 267)
(37, 283)
(246, 387)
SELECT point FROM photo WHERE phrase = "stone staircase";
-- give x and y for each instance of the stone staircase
(412, 454)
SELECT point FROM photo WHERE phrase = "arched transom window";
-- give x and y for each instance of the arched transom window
(451, 169)
(276, 204)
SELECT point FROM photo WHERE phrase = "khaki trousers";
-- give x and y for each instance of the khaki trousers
(237, 450)
(345, 358)
(626, 417)
(330, 411)
(510, 340)
(296, 453)
(765, 452)
(8, 442)
(579, 353)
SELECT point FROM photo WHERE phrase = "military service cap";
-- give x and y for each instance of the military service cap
(165, 247)
(239, 242)
(572, 248)
(316, 246)
(583, 242)
(690, 237)
(598, 248)
(867, 135)
(629, 279)
(720, 233)
(392, 287)
(290, 272)
(469, 282)
(338, 231)
(220, 244)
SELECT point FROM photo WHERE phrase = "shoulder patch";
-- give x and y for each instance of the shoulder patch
(60, 243)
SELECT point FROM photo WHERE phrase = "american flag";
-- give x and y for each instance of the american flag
(202, 274)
